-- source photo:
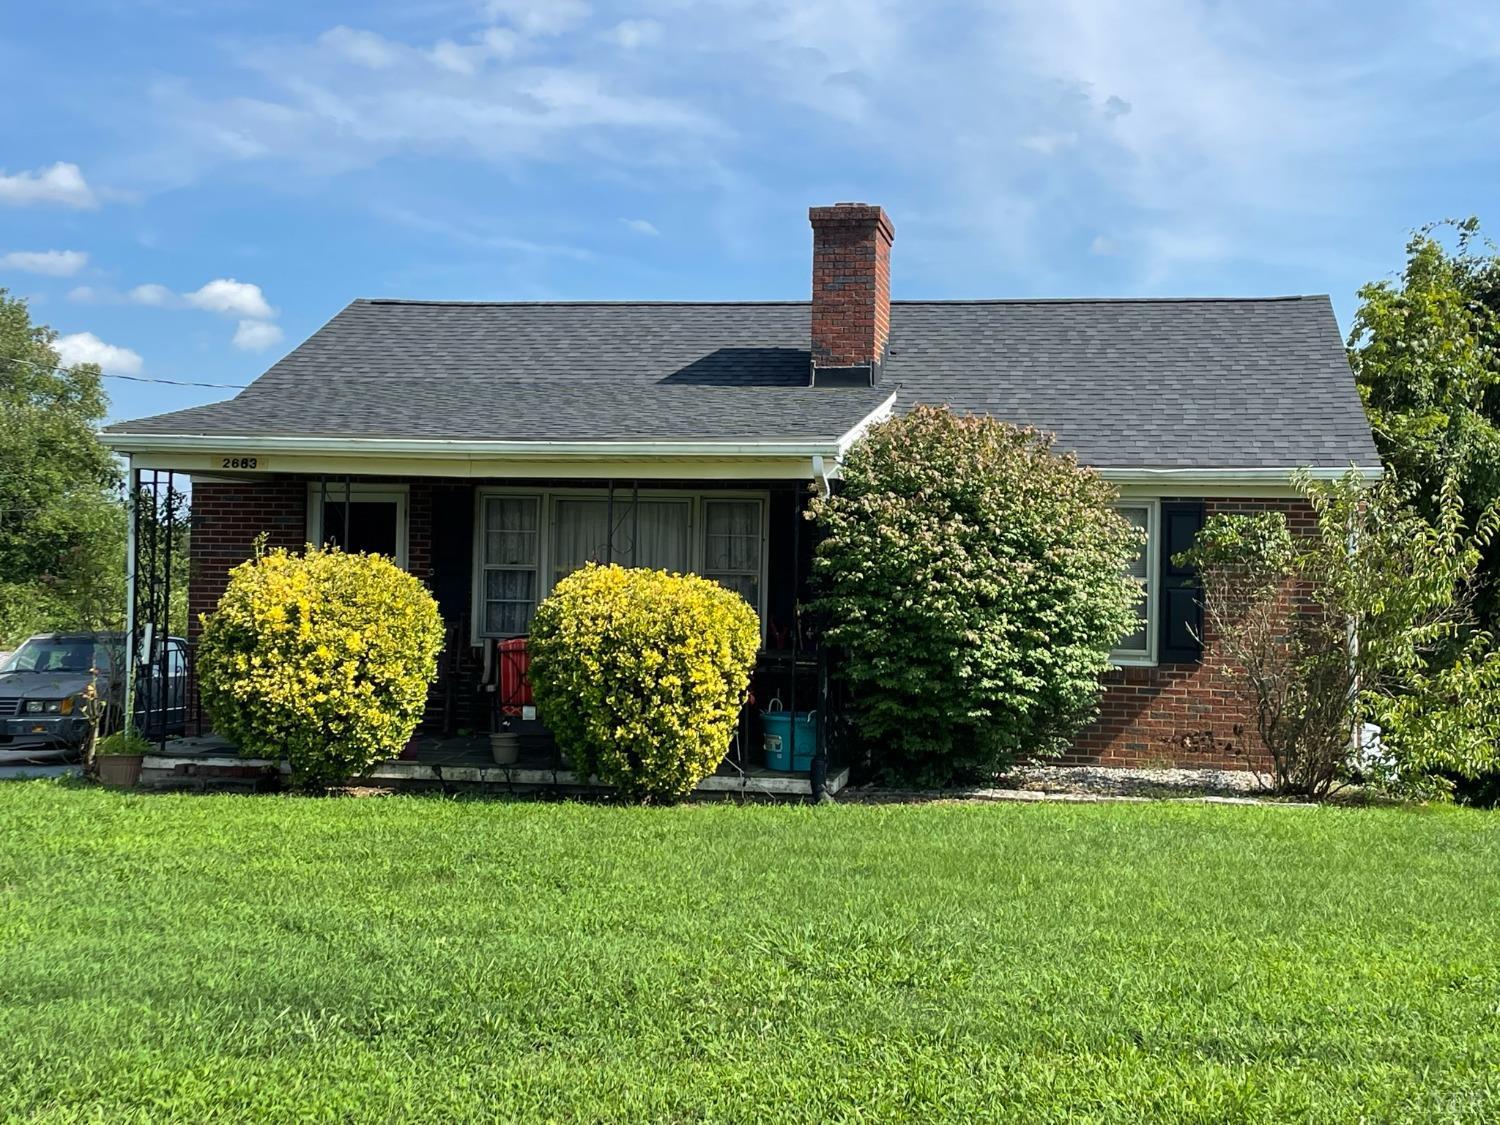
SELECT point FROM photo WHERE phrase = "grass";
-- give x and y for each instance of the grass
(224, 957)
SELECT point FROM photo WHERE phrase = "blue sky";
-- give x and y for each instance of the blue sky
(187, 189)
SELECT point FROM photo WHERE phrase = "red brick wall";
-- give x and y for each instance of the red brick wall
(851, 288)
(226, 518)
(1146, 712)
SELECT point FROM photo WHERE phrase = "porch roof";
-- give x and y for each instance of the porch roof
(480, 409)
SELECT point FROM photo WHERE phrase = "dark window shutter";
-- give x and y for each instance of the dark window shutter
(1181, 610)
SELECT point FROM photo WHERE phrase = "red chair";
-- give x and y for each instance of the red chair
(513, 675)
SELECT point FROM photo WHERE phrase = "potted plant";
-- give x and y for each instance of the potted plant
(505, 745)
(118, 757)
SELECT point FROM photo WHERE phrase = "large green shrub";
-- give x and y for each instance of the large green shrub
(640, 675)
(322, 658)
(976, 582)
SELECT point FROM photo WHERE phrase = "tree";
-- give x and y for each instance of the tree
(1363, 620)
(62, 519)
(1426, 355)
(976, 582)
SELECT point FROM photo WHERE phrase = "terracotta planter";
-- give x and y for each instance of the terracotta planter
(120, 771)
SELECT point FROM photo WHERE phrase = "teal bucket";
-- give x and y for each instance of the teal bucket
(780, 728)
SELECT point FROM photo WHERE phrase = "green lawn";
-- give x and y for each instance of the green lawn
(213, 958)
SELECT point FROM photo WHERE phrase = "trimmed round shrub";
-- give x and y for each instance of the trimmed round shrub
(975, 581)
(322, 658)
(640, 675)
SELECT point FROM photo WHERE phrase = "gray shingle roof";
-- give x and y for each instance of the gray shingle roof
(1256, 383)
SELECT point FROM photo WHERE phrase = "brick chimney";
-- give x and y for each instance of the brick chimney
(851, 293)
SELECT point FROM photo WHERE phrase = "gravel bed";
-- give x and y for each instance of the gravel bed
(1085, 783)
(1110, 781)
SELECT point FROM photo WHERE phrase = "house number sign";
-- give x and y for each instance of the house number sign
(242, 461)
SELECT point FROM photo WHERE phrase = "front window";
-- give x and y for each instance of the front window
(732, 545)
(1136, 647)
(530, 541)
(511, 560)
(650, 533)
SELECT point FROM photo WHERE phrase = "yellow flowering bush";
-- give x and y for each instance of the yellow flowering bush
(640, 674)
(322, 658)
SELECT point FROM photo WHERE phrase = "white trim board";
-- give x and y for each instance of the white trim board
(205, 466)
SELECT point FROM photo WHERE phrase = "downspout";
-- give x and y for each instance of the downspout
(821, 473)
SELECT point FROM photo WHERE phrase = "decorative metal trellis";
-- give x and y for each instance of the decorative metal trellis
(156, 571)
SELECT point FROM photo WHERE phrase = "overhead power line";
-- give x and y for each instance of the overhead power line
(130, 378)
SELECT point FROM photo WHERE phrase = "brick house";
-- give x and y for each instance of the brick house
(491, 447)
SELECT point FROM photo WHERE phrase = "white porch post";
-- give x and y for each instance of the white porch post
(132, 532)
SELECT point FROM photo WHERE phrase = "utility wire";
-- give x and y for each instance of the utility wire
(131, 378)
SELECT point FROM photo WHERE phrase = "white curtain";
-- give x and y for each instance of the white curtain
(510, 558)
(581, 534)
(731, 546)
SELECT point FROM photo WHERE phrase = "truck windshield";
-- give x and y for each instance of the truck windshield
(60, 656)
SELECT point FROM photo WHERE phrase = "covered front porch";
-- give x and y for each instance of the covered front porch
(491, 548)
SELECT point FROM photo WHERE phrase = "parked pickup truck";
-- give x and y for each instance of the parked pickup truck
(43, 684)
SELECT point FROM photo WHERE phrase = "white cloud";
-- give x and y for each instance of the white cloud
(53, 263)
(539, 17)
(317, 108)
(158, 296)
(85, 347)
(631, 34)
(1049, 144)
(1177, 115)
(641, 226)
(1103, 246)
(234, 298)
(256, 335)
(363, 47)
(469, 58)
(62, 183)
(479, 232)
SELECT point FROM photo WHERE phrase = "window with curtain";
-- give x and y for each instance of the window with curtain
(732, 546)
(528, 543)
(1137, 643)
(650, 533)
(511, 560)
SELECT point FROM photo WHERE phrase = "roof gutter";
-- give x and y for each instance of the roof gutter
(1279, 475)
(448, 447)
(830, 450)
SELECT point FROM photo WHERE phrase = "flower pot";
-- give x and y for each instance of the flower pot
(505, 747)
(120, 771)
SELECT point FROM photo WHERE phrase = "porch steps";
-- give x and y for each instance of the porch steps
(227, 770)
